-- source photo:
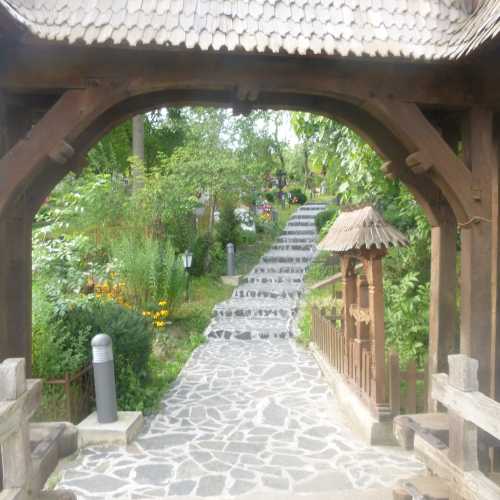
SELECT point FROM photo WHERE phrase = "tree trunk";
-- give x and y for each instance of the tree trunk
(137, 150)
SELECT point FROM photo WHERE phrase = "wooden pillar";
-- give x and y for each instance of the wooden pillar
(348, 295)
(495, 270)
(476, 255)
(377, 336)
(15, 255)
(443, 307)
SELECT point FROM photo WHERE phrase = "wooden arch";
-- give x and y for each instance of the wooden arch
(397, 129)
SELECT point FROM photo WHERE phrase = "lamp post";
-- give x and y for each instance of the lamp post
(281, 176)
(187, 258)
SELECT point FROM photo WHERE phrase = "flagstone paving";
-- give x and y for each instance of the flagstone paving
(245, 416)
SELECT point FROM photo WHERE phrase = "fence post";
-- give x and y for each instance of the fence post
(394, 383)
(67, 391)
(463, 450)
(15, 447)
(411, 387)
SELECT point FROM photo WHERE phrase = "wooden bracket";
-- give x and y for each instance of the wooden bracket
(244, 97)
(61, 153)
(419, 162)
(387, 170)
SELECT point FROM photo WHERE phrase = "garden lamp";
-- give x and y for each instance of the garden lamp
(187, 258)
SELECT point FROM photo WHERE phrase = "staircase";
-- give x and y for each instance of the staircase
(265, 304)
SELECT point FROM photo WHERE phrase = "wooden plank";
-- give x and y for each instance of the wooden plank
(473, 406)
(473, 485)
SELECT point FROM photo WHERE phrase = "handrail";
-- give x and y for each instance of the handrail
(332, 279)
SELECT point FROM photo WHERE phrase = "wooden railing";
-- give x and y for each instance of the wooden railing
(353, 360)
(468, 411)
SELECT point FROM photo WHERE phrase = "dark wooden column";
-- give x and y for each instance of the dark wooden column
(476, 256)
(495, 270)
(15, 251)
(443, 301)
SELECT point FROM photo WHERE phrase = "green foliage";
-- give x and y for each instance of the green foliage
(297, 196)
(352, 172)
(132, 340)
(228, 227)
(325, 217)
(150, 269)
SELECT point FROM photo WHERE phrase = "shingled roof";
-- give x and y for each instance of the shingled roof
(361, 228)
(410, 29)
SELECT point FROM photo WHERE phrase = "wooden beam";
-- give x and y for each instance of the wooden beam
(413, 129)
(47, 66)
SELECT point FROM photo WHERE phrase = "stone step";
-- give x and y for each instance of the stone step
(302, 216)
(425, 487)
(248, 329)
(279, 269)
(285, 258)
(274, 278)
(299, 232)
(256, 308)
(271, 291)
(287, 240)
(312, 208)
(300, 223)
(294, 247)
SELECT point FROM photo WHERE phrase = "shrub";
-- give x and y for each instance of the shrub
(201, 246)
(297, 196)
(150, 269)
(132, 343)
(324, 217)
(228, 227)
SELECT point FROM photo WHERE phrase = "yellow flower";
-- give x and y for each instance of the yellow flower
(164, 313)
(162, 303)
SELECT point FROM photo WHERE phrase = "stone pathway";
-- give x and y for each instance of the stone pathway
(245, 416)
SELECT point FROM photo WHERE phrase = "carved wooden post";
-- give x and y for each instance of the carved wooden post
(349, 297)
(377, 335)
(362, 340)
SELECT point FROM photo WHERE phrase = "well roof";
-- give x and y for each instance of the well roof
(359, 229)
(413, 29)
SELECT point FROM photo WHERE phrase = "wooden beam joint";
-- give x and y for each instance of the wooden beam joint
(419, 162)
(61, 153)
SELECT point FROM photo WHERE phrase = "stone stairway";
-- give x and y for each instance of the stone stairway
(264, 305)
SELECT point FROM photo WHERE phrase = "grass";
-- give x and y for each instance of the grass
(322, 267)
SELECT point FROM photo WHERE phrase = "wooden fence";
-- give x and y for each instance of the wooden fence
(468, 411)
(407, 388)
(70, 398)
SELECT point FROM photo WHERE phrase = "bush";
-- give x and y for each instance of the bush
(324, 217)
(132, 336)
(228, 227)
(201, 247)
(297, 196)
(150, 270)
